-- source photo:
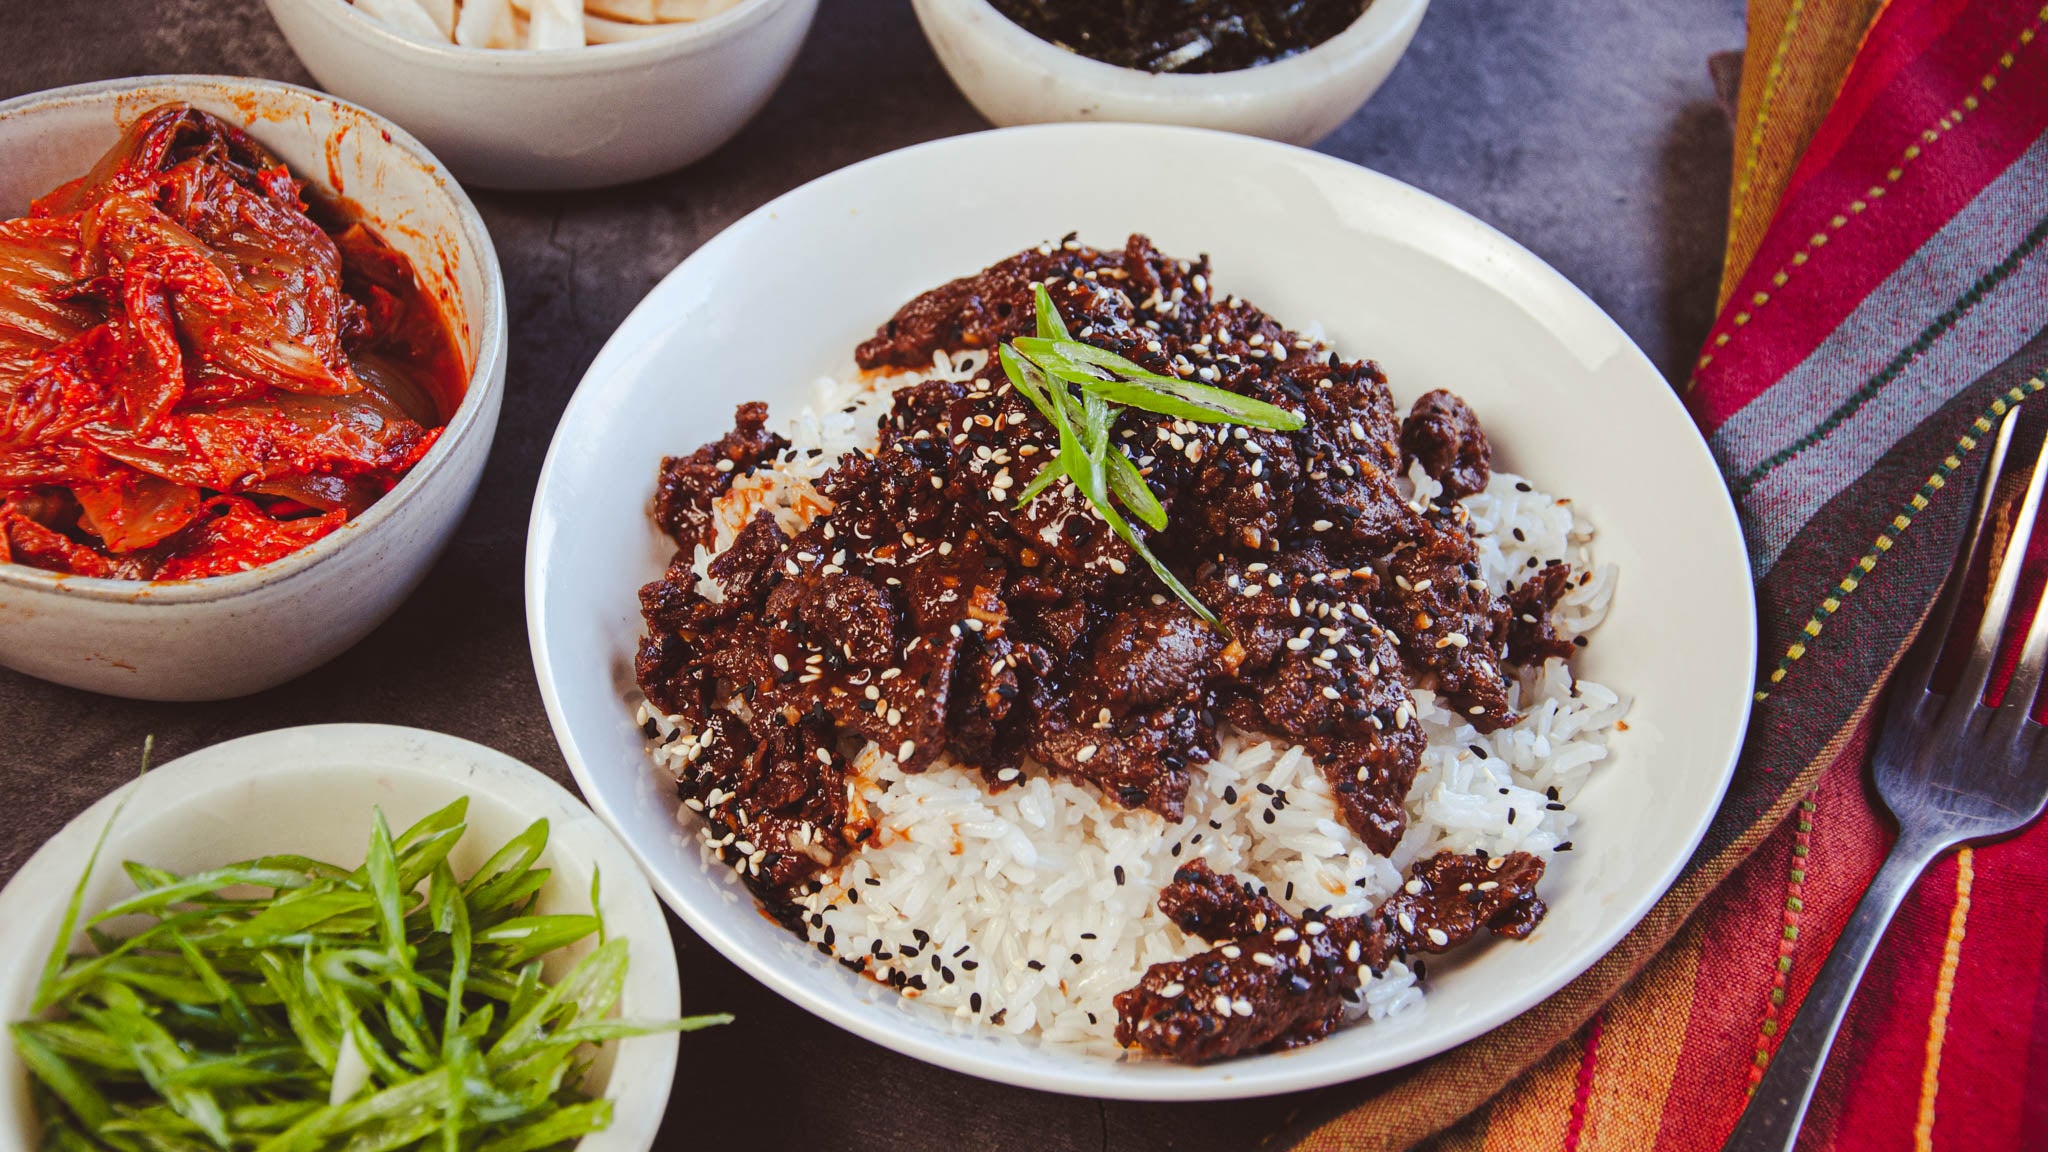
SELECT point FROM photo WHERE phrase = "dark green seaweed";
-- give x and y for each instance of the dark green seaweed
(1184, 35)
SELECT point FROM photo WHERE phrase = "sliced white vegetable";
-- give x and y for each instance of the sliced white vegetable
(625, 11)
(485, 24)
(598, 30)
(674, 10)
(556, 24)
(442, 13)
(403, 16)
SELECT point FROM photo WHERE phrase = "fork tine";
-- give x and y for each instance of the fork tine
(1916, 674)
(2026, 676)
(1984, 654)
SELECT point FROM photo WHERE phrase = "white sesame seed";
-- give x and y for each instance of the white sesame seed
(1439, 937)
(1086, 753)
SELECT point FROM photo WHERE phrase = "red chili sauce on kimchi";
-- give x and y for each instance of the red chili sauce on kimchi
(202, 371)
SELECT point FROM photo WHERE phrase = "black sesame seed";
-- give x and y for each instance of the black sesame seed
(1076, 957)
(1119, 874)
(1554, 806)
(1034, 965)
(974, 1002)
(1565, 847)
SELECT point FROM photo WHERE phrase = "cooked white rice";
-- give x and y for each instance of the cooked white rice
(1029, 910)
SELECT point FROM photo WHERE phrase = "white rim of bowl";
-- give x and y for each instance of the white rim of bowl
(824, 1002)
(1377, 25)
(682, 36)
(489, 334)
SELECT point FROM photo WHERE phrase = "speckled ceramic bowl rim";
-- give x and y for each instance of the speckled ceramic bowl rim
(684, 39)
(489, 312)
(1375, 28)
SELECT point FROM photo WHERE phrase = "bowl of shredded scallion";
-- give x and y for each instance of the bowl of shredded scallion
(340, 937)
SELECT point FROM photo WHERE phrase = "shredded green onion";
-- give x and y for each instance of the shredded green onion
(1047, 368)
(345, 1009)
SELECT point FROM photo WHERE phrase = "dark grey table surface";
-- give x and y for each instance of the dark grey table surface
(1586, 129)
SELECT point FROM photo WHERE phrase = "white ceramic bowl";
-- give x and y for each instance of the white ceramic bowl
(310, 791)
(229, 636)
(584, 118)
(1438, 298)
(1013, 77)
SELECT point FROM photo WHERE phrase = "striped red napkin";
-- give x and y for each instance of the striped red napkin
(1886, 300)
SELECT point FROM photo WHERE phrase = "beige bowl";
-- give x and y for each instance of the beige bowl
(229, 636)
(1013, 77)
(582, 118)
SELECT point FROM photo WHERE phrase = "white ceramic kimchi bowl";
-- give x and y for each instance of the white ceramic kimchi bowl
(311, 791)
(227, 636)
(578, 118)
(1013, 77)
(1438, 298)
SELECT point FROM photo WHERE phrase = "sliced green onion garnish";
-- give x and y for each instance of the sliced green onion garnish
(391, 1006)
(1048, 367)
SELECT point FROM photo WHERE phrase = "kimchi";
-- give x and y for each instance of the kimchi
(202, 370)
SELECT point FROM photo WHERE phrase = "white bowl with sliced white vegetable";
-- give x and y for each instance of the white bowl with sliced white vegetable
(546, 94)
(332, 1035)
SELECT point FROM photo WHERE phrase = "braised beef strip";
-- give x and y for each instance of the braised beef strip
(1272, 980)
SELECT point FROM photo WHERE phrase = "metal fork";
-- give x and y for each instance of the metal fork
(1951, 769)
